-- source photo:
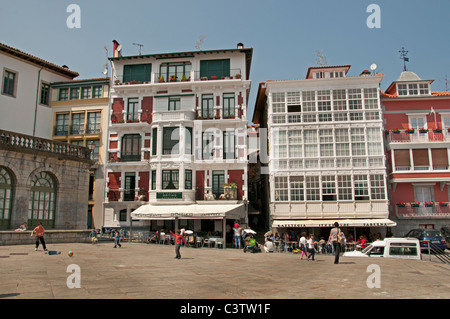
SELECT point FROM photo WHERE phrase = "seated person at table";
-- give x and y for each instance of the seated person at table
(361, 243)
(268, 246)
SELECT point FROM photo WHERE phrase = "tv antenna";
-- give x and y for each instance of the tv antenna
(321, 58)
(403, 56)
(140, 47)
(198, 44)
(105, 72)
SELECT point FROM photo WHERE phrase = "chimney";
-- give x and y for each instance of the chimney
(240, 45)
(117, 48)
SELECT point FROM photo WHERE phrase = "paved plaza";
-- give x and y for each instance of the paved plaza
(138, 270)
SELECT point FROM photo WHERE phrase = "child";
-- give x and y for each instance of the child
(178, 239)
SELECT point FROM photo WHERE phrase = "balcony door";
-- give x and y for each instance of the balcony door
(424, 194)
(218, 179)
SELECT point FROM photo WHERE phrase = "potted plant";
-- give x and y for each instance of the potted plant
(133, 82)
(184, 78)
(173, 78)
(437, 130)
(396, 131)
(410, 131)
(423, 130)
(161, 79)
(401, 204)
(415, 204)
(230, 190)
(429, 204)
(213, 77)
(237, 76)
(204, 78)
(442, 204)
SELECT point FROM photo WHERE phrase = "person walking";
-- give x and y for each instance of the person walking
(178, 240)
(117, 239)
(237, 236)
(302, 244)
(334, 237)
(39, 230)
(311, 249)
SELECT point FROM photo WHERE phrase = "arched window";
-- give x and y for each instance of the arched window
(43, 200)
(6, 194)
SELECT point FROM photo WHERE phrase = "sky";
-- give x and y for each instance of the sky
(286, 35)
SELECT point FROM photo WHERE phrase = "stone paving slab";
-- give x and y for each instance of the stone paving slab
(142, 271)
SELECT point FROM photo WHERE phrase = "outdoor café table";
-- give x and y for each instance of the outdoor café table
(212, 240)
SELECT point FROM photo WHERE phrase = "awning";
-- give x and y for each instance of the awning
(194, 211)
(375, 222)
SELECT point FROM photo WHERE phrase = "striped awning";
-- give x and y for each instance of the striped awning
(375, 222)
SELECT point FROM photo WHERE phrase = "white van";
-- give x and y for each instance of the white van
(406, 248)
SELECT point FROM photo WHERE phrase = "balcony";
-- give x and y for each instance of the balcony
(417, 136)
(422, 210)
(21, 142)
(192, 76)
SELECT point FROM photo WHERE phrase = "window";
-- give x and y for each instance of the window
(371, 99)
(228, 145)
(339, 100)
(77, 123)
(175, 71)
(137, 72)
(228, 105)
(131, 147)
(295, 143)
(278, 103)
(312, 188)
(174, 103)
(133, 110)
(9, 83)
(218, 179)
(171, 137)
(207, 145)
(123, 215)
(43, 200)
(323, 101)
(293, 102)
(153, 180)
(345, 187)
(207, 106)
(326, 143)
(354, 99)
(328, 188)
(377, 187)
(342, 142)
(94, 122)
(361, 187)
(97, 92)
(95, 151)
(154, 140)
(417, 122)
(74, 93)
(297, 189)
(309, 101)
(218, 68)
(63, 94)
(62, 124)
(130, 184)
(86, 92)
(402, 89)
(280, 144)
(424, 88)
(170, 179)
(281, 189)
(310, 143)
(45, 94)
(188, 138)
(6, 197)
(187, 179)
(374, 141)
(412, 89)
(358, 141)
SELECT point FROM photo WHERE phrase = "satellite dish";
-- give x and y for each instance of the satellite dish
(373, 67)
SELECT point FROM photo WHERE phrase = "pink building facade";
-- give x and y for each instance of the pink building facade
(417, 135)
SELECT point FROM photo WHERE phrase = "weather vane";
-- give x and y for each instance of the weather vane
(403, 56)
(321, 58)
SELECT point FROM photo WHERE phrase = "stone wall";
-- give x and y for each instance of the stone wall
(51, 237)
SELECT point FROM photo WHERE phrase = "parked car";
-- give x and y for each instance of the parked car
(404, 248)
(446, 232)
(425, 235)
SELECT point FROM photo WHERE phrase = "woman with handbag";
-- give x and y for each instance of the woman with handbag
(335, 238)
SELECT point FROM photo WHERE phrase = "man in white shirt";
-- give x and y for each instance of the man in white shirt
(268, 246)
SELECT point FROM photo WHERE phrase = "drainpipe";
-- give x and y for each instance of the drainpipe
(37, 97)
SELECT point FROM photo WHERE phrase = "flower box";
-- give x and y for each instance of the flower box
(443, 204)
(429, 204)
(415, 204)
(401, 204)
(213, 77)
(410, 131)
(422, 130)
(438, 130)
(396, 131)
